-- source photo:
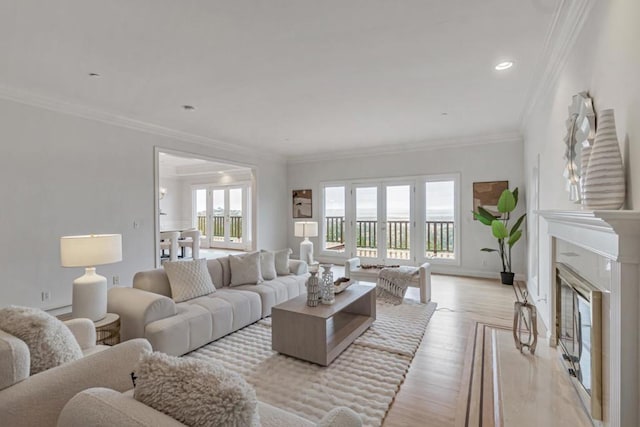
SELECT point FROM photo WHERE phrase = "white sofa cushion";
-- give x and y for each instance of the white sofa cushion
(245, 269)
(189, 279)
(282, 261)
(50, 341)
(195, 392)
(268, 265)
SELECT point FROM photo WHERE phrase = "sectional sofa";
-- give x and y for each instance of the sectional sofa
(147, 309)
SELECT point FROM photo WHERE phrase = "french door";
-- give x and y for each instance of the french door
(384, 223)
(221, 213)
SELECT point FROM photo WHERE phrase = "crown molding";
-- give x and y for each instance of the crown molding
(429, 145)
(569, 19)
(77, 110)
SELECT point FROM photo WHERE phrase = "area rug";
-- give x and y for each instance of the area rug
(365, 377)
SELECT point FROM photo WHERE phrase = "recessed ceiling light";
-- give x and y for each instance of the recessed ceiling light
(505, 65)
(444, 114)
(221, 172)
(188, 107)
(94, 75)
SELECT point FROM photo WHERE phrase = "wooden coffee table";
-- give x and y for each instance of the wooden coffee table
(319, 334)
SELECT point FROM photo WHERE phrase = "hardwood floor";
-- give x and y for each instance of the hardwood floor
(434, 393)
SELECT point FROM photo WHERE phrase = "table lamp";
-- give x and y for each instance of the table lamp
(306, 229)
(90, 291)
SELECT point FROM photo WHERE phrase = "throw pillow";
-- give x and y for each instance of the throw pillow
(268, 265)
(195, 392)
(50, 341)
(245, 269)
(282, 261)
(188, 279)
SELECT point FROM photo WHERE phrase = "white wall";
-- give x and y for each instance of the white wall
(487, 162)
(173, 204)
(63, 174)
(606, 62)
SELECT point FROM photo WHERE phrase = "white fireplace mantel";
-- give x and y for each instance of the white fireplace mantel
(614, 235)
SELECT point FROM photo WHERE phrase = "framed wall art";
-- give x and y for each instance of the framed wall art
(487, 194)
(302, 204)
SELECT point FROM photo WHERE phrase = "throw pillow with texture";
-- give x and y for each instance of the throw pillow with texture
(268, 265)
(245, 269)
(188, 279)
(50, 341)
(282, 261)
(195, 392)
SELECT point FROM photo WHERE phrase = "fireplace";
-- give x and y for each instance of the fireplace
(579, 329)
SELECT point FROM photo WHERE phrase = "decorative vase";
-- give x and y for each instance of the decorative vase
(506, 278)
(313, 290)
(604, 184)
(328, 291)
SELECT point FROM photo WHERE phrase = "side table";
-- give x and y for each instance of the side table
(108, 330)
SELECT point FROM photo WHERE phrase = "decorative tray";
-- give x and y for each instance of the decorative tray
(341, 284)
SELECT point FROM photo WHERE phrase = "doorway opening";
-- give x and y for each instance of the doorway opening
(214, 197)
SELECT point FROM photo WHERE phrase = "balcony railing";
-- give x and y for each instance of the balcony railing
(439, 238)
(235, 226)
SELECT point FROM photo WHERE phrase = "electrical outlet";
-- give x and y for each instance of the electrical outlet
(45, 296)
(116, 280)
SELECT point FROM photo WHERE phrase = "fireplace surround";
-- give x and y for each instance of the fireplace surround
(602, 247)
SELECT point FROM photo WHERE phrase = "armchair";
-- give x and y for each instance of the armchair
(38, 399)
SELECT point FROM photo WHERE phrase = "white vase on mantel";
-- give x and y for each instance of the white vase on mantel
(604, 181)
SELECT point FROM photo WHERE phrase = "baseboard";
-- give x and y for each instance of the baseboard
(60, 310)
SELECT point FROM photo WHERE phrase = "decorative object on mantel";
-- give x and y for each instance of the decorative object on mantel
(500, 230)
(581, 131)
(525, 325)
(313, 289)
(327, 286)
(604, 186)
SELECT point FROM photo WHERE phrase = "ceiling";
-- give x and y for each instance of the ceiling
(295, 77)
(175, 166)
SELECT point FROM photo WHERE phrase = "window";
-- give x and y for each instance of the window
(334, 219)
(441, 218)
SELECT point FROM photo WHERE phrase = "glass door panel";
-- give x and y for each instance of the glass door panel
(235, 215)
(398, 222)
(218, 216)
(367, 229)
(334, 217)
(200, 211)
(440, 219)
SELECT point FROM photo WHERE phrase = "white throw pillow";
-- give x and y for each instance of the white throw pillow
(188, 279)
(282, 261)
(50, 341)
(268, 265)
(245, 269)
(195, 392)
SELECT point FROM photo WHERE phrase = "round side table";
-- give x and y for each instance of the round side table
(108, 330)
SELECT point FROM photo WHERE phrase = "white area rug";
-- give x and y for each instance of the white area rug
(365, 377)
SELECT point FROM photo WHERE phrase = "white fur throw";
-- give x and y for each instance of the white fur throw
(245, 269)
(195, 392)
(188, 279)
(50, 341)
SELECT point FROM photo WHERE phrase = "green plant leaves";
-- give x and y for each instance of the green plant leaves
(499, 230)
(515, 237)
(488, 250)
(507, 202)
(517, 225)
(484, 216)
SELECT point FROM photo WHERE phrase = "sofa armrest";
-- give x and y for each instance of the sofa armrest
(39, 399)
(350, 265)
(138, 308)
(84, 330)
(298, 267)
(101, 407)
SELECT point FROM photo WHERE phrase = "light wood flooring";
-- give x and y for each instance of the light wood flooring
(434, 384)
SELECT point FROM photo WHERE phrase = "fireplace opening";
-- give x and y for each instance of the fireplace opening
(579, 330)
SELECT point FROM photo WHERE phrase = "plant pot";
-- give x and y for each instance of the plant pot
(507, 278)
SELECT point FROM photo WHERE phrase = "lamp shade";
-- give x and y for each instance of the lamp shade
(306, 229)
(91, 250)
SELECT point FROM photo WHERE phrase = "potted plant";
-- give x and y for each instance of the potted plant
(507, 237)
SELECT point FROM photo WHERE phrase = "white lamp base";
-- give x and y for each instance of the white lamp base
(306, 251)
(90, 296)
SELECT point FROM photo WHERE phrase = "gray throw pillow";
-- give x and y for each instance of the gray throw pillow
(245, 269)
(195, 392)
(188, 279)
(282, 261)
(268, 265)
(50, 341)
